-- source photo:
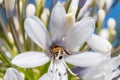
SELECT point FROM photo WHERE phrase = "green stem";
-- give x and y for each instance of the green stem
(84, 45)
(68, 5)
(4, 57)
(3, 26)
(15, 36)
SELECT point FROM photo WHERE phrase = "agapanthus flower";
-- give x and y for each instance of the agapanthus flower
(99, 44)
(58, 45)
(10, 8)
(108, 69)
(12, 74)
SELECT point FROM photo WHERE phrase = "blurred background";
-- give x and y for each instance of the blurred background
(13, 39)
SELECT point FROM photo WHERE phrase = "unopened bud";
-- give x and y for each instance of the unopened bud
(45, 15)
(70, 21)
(111, 23)
(10, 37)
(12, 74)
(46, 11)
(73, 6)
(20, 5)
(44, 18)
(108, 4)
(30, 10)
(99, 44)
(104, 33)
(38, 1)
(9, 7)
(1, 1)
(101, 15)
(101, 3)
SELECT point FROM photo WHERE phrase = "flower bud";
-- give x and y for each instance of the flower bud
(12, 74)
(20, 5)
(44, 18)
(70, 21)
(10, 8)
(111, 23)
(101, 3)
(108, 4)
(101, 15)
(99, 44)
(104, 33)
(73, 6)
(46, 11)
(1, 1)
(84, 9)
(45, 15)
(30, 10)
(38, 1)
(10, 37)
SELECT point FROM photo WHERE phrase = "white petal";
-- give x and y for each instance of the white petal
(78, 34)
(30, 59)
(46, 76)
(111, 76)
(36, 30)
(92, 73)
(30, 10)
(118, 78)
(70, 21)
(59, 76)
(85, 59)
(57, 22)
(58, 70)
(99, 44)
(12, 74)
(115, 62)
(10, 7)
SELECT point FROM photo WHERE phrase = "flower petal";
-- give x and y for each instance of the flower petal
(115, 62)
(85, 59)
(36, 30)
(46, 76)
(112, 76)
(58, 70)
(30, 59)
(10, 8)
(57, 22)
(12, 74)
(78, 34)
(99, 44)
(92, 73)
(58, 76)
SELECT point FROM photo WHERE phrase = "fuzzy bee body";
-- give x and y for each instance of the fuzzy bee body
(58, 52)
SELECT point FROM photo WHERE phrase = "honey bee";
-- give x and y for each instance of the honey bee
(57, 52)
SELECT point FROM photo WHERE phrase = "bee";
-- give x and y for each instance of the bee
(58, 52)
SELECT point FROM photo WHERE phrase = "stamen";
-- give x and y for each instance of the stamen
(51, 67)
(67, 52)
(68, 68)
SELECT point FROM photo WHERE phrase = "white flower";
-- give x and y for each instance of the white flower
(101, 15)
(100, 3)
(73, 6)
(108, 4)
(104, 33)
(1, 1)
(12, 74)
(58, 46)
(106, 70)
(111, 23)
(99, 44)
(10, 7)
(30, 10)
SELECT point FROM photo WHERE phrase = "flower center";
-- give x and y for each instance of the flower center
(57, 52)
